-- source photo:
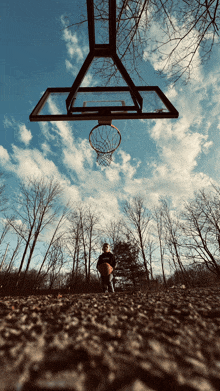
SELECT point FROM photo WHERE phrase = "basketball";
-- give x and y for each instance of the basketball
(105, 269)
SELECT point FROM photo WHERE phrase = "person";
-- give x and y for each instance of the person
(107, 257)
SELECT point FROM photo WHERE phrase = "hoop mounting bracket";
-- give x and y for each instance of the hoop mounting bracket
(103, 50)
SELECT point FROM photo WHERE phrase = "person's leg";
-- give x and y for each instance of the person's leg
(104, 283)
(110, 283)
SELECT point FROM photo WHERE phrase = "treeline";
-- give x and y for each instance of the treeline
(46, 243)
(132, 280)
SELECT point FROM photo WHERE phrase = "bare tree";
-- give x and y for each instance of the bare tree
(173, 236)
(139, 218)
(36, 206)
(84, 238)
(55, 263)
(158, 216)
(183, 28)
(150, 249)
(58, 234)
(93, 220)
(21, 230)
(4, 257)
(10, 256)
(73, 246)
(201, 227)
(113, 232)
(15, 253)
(3, 198)
(5, 230)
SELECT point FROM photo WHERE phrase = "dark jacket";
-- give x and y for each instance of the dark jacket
(107, 258)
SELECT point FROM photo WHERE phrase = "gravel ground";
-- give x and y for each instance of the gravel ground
(169, 340)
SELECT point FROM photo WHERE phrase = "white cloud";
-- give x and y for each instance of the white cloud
(77, 51)
(72, 192)
(25, 134)
(112, 174)
(171, 93)
(46, 148)
(125, 167)
(8, 123)
(72, 44)
(17, 223)
(45, 129)
(77, 155)
(31, 163)
(71, 68)
(161, 59)
(181, 154)
(105, 205)
(207, 146)
(180, 143)
(60, 127)
(88, 79)
(75, 47)
(183, 146)
(73, 159)
(4, 156)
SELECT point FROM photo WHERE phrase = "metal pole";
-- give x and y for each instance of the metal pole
(112, 24)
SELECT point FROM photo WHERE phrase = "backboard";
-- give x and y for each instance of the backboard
(102, 103)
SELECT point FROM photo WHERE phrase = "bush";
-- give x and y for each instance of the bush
(195, 276)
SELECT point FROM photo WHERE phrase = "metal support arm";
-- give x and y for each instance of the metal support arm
(105, 50)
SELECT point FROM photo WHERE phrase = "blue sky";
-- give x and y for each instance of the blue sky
(161, 158)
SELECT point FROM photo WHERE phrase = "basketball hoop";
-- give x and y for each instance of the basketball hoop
(103, 103)
(104, 138)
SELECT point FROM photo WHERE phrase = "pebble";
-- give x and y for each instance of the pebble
(155, 334)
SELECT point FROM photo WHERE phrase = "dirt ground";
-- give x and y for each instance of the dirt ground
(168, 340)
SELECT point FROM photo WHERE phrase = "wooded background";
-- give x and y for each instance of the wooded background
(67, 239)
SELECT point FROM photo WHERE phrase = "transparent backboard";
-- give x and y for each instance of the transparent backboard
(96, 103)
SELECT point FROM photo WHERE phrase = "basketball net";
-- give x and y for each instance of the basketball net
(104, 138)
